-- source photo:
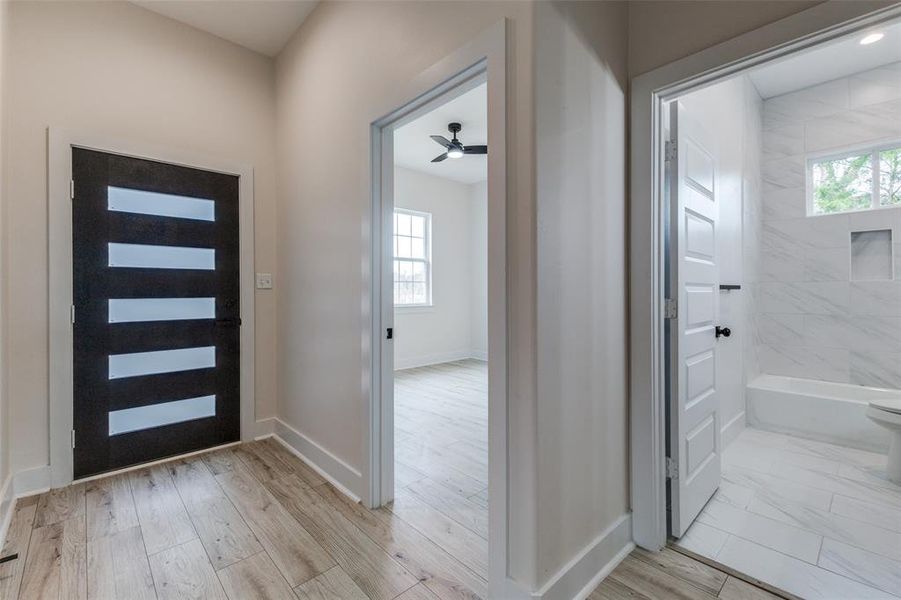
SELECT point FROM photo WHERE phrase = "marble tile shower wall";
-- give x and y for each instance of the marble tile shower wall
(752, 222)
(813, 321)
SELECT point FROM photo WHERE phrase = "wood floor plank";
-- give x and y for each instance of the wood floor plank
(439, 571)
(334, 584)
(458, 508)
(59, 505)
(610, 589)
(736, 589)
(274, 448)
(222, 531)
(118, 567)
(183, 572)
(705, 577)
(419, 592)
(461, 543)
(650, 581)
(221, 461)
(56, 566)
(263, 467)
(163, 518)
(18, 535)
(109, 506)
(370, 567)
(296, 554)
(255, 577)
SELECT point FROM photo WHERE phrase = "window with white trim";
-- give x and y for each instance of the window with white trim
(856, 180)
(412, 258)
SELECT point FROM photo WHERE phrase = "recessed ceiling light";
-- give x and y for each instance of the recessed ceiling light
(871, 38)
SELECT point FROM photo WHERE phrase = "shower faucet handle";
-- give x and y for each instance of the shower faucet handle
(723, 331)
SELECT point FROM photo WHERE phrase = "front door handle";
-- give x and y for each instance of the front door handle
(723, 331)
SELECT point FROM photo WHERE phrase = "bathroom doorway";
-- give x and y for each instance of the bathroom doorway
(783, 319)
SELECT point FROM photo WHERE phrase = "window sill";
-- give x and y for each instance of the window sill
(419, 308)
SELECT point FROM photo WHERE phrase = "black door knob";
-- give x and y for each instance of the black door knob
(723, 331)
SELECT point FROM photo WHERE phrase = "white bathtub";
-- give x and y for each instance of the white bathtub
(819, 410)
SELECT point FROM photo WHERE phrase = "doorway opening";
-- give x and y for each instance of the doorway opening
(783, 318)
(479, 64)
(440, 294)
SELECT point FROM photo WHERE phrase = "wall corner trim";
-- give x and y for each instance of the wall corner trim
(345, 478)
(578, 578)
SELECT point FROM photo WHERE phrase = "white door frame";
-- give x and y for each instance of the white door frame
(60, 143)
(650, 91)
(481, 60)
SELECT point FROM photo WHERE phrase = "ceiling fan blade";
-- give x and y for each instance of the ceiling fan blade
(475, 150)
(442, 140)
(440, 157)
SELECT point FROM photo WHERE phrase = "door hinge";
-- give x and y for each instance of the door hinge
(73, 439)
(670, 309)
(672, 469)
(71, 189)
(72, 314)
(389, 334)
(669, 150)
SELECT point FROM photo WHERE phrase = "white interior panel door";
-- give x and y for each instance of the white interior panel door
(694, 433)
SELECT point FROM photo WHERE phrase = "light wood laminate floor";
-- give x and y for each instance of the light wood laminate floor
(441, 456)
(246, 522)
(670, 575)
(253, 521)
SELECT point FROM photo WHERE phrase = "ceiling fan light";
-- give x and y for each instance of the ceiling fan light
(455, 152)
(871, 38)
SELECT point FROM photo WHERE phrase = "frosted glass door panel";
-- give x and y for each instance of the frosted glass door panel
(145, 256)
(163, 205)
(165, 413)
(139, 310)
(162, 361)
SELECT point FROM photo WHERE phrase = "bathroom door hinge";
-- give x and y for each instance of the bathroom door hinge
(670, 309)
(672, 469)
(669, 151)
(72, 314)
(73, 439)
(71, 189)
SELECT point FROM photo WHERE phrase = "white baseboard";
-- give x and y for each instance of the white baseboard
(436, 359)
(337, 472)
(578, 578)
(7, 505)
(732, 429)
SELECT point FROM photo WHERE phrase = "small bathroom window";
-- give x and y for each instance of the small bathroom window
(871, 255)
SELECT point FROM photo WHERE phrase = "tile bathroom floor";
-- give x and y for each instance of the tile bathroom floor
(813, 519)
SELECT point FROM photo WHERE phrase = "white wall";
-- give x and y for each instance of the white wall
(724, 109)
(444, 331)
(113, 69)
(580, 93)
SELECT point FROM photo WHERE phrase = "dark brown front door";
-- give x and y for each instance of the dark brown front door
(156, 313)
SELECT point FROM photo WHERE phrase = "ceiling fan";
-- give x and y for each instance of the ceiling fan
(455, 149)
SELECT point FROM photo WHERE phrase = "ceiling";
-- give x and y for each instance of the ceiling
(413, 149)
(828, 62)
(264, 26)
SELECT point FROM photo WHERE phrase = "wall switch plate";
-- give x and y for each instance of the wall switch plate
(264, 281)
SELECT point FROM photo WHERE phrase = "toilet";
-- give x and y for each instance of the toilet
(886, 412)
